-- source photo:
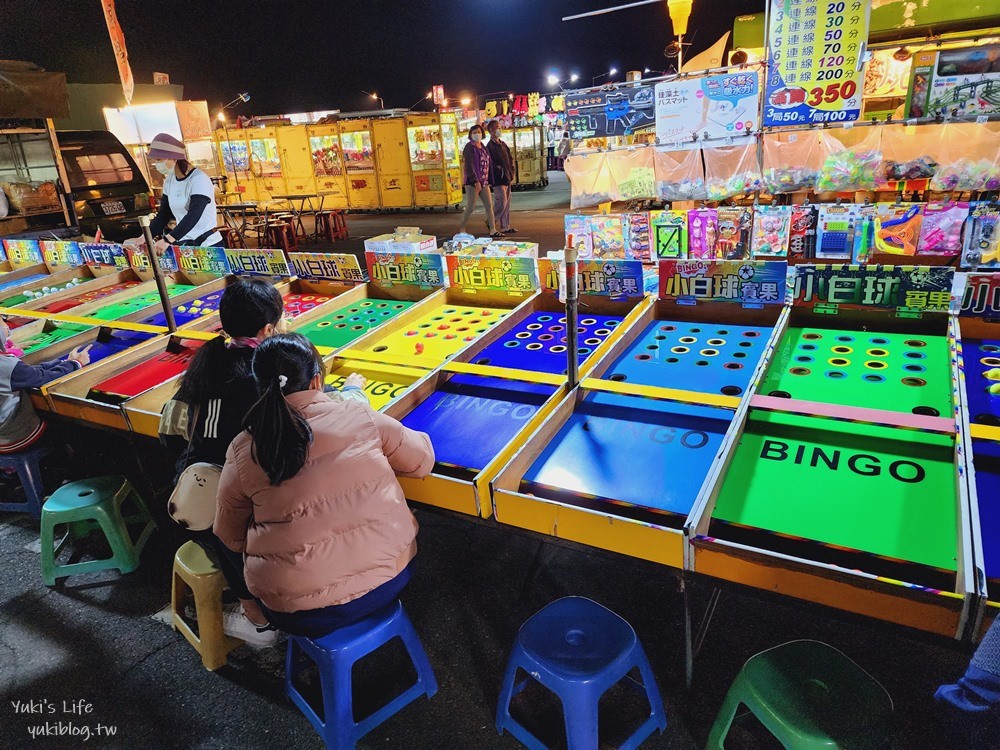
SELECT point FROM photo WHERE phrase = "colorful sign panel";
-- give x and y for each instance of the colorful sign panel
(59, 253)
(514, 276)
(757, 282)
(327, 266)
(595, 114)
(104, 255)
(23, 253)
(140, 261)
(248, 262)
(418, 269)
(617, 279)
(721, 106)
(981, 297)
(208, 260)
(814, 53)
(916, 288)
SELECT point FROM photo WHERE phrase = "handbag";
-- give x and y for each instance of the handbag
(192, 504)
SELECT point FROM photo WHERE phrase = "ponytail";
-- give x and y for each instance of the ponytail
(282, 365)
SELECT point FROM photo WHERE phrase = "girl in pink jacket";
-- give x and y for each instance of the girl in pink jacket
(309, 496)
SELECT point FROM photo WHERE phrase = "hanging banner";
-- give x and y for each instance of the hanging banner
(326, 266)
(814, 53)
(118, 45)
(719, 106)
(596, 114)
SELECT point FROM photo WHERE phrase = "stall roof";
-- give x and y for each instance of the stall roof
(28, 92)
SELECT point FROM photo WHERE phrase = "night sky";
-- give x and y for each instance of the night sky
(299, 55)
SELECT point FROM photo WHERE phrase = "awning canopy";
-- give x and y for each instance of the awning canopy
(28, 92)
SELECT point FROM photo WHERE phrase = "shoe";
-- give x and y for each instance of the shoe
(497, 235)
(190, 613)
(236, 624)
(510, 230)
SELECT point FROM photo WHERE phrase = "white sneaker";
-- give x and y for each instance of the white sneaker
(236, 624)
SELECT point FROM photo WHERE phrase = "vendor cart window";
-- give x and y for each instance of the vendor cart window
(87, 170)
(425, 147)
(449, 139)
(325, 151)
(265, 157)
(235, 156)
(357, 149)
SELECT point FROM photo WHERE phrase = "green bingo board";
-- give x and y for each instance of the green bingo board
(346, 324)
(877, 490)
(891, 371)
(119, 310)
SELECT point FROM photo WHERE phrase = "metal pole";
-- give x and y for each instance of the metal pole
(161, 285)
(680, 53)
(572, 371)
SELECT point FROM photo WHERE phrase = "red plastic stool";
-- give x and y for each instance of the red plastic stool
(332, 224)
(232, 237)
(281, 234)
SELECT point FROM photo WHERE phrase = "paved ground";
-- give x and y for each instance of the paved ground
(93, 639)
(536, 214)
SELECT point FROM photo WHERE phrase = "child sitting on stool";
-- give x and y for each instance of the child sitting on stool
(20, 426)
(309, 496)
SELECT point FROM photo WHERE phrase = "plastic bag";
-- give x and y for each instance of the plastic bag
(969, 154)
(632, 174)
(910, 152)
(791, 161)
(732, 170)
(680, 175)
(852, 160)
(590, 179)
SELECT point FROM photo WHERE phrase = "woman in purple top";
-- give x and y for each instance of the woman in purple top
(478, 176)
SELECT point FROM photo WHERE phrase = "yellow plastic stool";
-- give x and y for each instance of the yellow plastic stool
(196, 572)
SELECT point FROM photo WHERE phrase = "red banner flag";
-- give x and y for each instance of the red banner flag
(118, 45)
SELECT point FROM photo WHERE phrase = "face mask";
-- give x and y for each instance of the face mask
(476, 137)
(496, 134)
(163, 168)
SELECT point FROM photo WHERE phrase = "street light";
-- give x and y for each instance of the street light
(429, 95)
(466, 101)
(374, 95)
(573, 78)
(609, 73)
(553, 80)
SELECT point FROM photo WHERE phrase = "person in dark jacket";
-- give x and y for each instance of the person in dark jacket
(207, 413)
(478, 168)
(20, 426)
(201, 420)
(503, 176)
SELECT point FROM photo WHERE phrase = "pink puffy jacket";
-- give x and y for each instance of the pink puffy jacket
(337, 529)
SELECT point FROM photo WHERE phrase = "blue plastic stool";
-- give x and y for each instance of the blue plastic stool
(335, 655)
(30, 474)
(579, 650)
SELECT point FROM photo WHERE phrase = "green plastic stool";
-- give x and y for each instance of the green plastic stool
(89, 505)
(808, 695)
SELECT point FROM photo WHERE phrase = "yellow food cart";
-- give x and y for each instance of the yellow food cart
(266, 162)
(328, 164)
(359, 161)
(392, 160)
(528, 152)
(434, 159)
(296, 162)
